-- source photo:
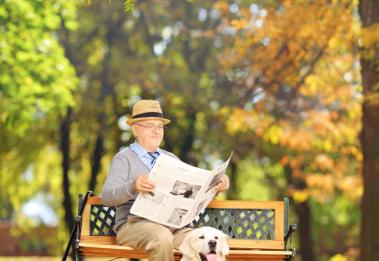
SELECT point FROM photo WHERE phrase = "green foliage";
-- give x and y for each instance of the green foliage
(36, 86)
(129, 5)
(253, 182)
(338, 218)
(35, 77)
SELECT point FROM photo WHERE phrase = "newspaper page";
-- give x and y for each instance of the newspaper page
(181, 192)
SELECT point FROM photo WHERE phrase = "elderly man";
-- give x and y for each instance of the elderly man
(128, 176)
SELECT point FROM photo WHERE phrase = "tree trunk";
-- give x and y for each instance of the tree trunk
(188, 139)
(232, 192)
(65, 149)
(303, 213)
(369, 12)
(98, 153)
(114, 29)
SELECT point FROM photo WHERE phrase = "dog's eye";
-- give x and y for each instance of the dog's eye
(216, 237)
(201, 237)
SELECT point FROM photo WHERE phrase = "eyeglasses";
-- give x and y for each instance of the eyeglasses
(151, 126)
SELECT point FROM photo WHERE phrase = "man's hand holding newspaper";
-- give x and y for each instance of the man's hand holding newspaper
(181, 192)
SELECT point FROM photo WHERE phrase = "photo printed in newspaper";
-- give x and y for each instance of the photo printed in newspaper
(181, 192)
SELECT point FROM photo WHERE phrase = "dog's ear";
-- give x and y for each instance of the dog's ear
(188, 247)
(224, 247)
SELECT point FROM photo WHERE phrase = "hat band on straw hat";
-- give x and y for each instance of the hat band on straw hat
(148, 114)
(147, 110)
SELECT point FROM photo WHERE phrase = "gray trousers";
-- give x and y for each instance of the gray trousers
(157, 240)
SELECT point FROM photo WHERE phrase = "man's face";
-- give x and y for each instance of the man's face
(149, 133)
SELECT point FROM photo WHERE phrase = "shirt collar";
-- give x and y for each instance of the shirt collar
(147, 159)
(141, 151)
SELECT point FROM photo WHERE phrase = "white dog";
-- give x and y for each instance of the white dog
(204, 244)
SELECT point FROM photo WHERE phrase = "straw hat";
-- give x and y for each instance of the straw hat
(147, 110)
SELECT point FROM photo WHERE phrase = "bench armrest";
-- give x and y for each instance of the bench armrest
(292, 228)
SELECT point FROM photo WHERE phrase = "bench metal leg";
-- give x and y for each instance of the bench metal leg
(76, 230)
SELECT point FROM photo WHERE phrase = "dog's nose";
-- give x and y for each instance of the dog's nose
(212, 244)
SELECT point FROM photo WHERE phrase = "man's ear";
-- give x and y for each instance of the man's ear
(133, 128)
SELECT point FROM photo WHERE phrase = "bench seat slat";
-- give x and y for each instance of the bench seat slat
(94, 246)
(233, 243)
(116, 250)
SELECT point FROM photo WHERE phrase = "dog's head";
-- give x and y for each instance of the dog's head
(205, 243)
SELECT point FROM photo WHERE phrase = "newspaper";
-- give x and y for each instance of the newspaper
(181, 192)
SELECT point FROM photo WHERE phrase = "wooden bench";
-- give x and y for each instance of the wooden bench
(257, 230)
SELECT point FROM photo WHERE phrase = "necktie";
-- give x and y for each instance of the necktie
(154, 156)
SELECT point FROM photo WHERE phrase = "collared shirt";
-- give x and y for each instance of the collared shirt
(146, 158)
